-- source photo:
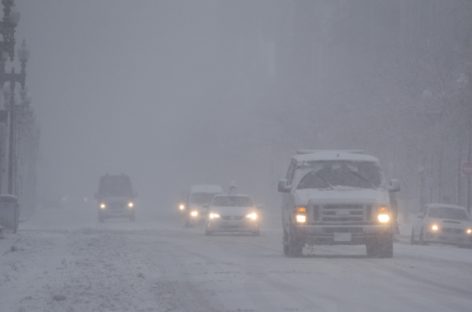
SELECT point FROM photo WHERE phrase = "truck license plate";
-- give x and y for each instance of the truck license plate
(342, 237)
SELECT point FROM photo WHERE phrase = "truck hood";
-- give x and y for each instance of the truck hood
(341, 195)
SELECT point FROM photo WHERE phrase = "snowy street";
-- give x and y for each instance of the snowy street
(157, 265)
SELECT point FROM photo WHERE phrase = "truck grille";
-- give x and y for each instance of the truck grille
(342, 213)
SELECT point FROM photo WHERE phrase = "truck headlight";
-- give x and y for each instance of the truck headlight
(130, 204)
(214, 215)
(252, 216)
(181, 207)
(300, 215)
(194, 213)
(468, 231)
(103, 205)
(383, 215)
(434, 227)
(383, 218)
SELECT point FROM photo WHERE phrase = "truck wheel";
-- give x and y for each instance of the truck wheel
(293, 248)
(412, 237)
(380, 247)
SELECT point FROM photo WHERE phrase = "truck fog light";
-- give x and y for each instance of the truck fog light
(383, 218)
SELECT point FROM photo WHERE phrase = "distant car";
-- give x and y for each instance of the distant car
(115, 197)
(442, 223)
(232, 213)
(198, 200)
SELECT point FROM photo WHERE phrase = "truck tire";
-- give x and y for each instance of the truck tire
(412, 238)
(292, 248)
(380, 247)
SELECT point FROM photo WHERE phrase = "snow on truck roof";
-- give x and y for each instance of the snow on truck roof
(325, 155)
(206, 188)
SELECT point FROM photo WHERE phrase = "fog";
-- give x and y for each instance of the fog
(181, 92)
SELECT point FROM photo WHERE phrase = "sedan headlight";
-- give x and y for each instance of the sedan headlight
(194, 213)
(252, 216)
(103, 205)
(130, 204)
(434, 227)
(214, 215)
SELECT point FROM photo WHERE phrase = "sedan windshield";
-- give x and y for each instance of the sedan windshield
(448, 213)
(232, 201)
(329, 174)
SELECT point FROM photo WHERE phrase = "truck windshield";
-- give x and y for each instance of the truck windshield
(232, 201)
(201, 198)
(329, 174)
(448, 213)
(115, 186)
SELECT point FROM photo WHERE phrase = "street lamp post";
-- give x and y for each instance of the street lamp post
(14, 78)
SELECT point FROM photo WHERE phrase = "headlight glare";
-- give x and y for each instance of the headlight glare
(300, 218)
(468, 231)
(194, 213)
(103, 205)
(383, 218)
(434, 227)
(181, 207)
(252, 216)
(130, 204)
(214, 215)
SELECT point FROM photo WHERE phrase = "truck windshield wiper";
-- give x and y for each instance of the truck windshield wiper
(330, 186)
(360, 176)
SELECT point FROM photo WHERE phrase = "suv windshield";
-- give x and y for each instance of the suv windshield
(448, 213)
(201, 198)
(232, 201)
(328, 174)
(115, 186)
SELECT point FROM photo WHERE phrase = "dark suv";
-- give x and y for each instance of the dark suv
(115, 197)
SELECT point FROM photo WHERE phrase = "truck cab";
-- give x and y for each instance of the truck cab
(115, 197)
(336, 197)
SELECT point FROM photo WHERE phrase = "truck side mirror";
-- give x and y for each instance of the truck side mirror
(282, 186)
(394, 186)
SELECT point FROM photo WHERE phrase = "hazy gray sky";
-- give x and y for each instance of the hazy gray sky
(182, 92)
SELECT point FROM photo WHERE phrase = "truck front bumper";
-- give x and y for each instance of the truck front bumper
(341, 235)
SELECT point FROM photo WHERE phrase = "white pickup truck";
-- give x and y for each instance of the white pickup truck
(337, 197)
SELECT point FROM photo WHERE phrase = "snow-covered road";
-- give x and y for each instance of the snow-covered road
(156, 265)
